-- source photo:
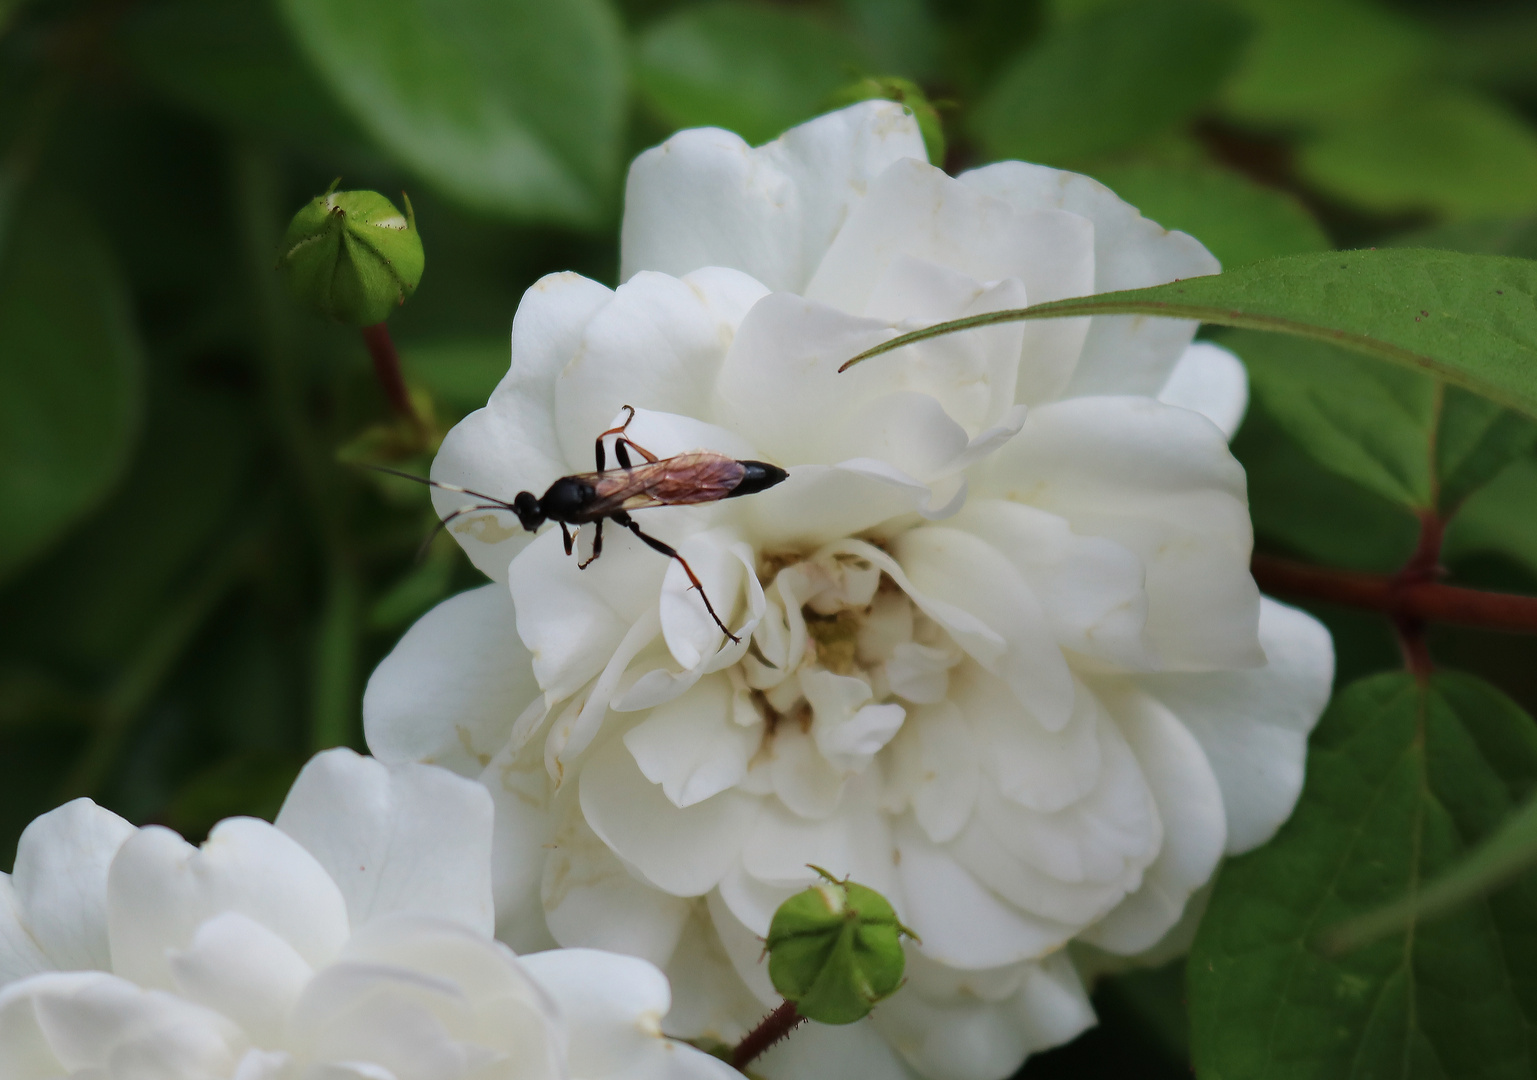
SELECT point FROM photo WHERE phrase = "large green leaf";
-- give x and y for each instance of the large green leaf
(1112, 78)
(70, 375)
(515, 107)
(1368, 422)
(1468, 319)
(1449, 151)
(1311, 512)
(1403, 778)
(1401, 434)
(753, 69)
(1238, 220)
(1312, 60)
(236, 63)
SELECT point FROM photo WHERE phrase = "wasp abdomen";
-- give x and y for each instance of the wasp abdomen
(757, 476)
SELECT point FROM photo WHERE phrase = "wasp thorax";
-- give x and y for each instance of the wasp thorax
(352, 256)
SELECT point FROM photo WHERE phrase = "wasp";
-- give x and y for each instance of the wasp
(698, 476)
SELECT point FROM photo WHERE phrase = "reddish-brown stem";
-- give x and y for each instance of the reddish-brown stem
(387, 370)
(1423, 567)
(773, 1027)
(1429, 601)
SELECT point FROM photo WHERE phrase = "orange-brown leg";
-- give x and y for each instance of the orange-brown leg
(597, 547)
(620, 444)
(672, 553)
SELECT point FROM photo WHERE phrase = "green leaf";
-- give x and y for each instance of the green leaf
(514, 107)
(1468, 319)
(1368, 422)
(752, 69)
(1511, 851)
(235, 63)
(899, 35)
(1454, 152)
(1474, 443)
(1500, 518)
(1112, 78)
(1314, 59)
(1238, 220)
(1402, 780)
(1311, 512)
(1494, 47)
(70, 377)
(1394, 431)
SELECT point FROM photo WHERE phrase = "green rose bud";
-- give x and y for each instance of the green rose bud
(835, 950)
(907, 92)
(352, 256)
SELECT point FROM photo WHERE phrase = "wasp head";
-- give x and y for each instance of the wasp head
(529, 512)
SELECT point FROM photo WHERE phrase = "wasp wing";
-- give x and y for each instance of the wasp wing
(701, 476)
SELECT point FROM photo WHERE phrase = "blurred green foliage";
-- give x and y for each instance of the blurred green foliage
(193, 586)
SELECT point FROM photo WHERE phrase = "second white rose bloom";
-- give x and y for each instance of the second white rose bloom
(351, 940)
(1002, 658)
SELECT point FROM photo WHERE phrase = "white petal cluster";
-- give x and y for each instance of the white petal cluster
(350, 941)
(1002, 658)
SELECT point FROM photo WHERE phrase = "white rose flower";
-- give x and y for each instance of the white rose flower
(350, 941)
(1002, 658)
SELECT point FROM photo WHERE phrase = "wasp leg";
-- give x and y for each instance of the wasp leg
(623, 454)
(672, 553)
(597, 548)
(565, 535)
(598, 448)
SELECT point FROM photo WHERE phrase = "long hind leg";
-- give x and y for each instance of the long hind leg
(672, 553)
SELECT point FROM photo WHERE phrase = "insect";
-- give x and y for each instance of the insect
(699, 476)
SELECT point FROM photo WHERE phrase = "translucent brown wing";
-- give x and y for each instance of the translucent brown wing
(700, 476)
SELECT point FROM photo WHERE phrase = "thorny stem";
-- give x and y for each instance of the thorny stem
(773, 1027)
(1423, 567)
(387, 370)
(1412, 598)
(1430, 601)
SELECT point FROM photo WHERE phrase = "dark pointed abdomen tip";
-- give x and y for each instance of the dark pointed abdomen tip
(757, 476)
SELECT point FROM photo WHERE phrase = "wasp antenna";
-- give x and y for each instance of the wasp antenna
(498, 504)
(421, 552)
